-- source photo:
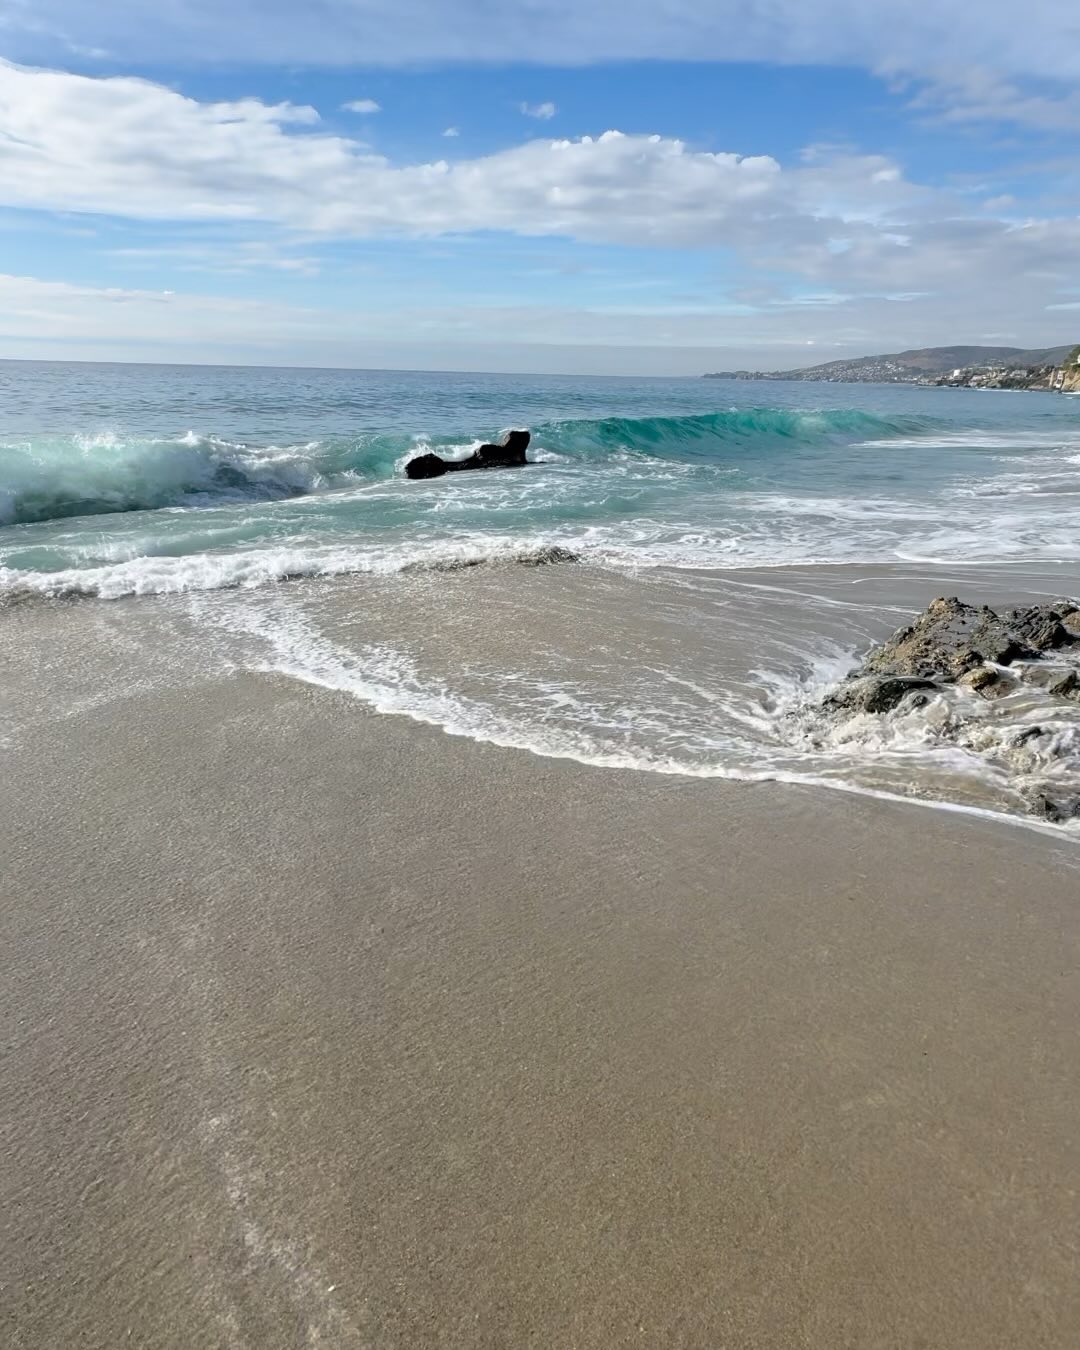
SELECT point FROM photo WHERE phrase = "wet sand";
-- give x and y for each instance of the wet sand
(322, 1028)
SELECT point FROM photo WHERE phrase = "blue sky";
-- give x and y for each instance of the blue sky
(535, 185)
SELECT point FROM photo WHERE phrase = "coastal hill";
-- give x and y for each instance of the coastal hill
(920, 364)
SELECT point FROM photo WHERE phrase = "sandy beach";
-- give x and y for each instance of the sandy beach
(322, 1027)
(539, 675)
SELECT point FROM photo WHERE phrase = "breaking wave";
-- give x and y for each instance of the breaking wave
(737, 428)
(107, 473)
(253, 568)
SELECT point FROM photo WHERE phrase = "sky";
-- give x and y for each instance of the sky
(581, 186)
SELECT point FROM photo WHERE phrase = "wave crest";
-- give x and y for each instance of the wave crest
(695, 436)
(104, 473)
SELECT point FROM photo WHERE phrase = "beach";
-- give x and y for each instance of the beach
(539, 675)
(461, 914)
(327, 1028)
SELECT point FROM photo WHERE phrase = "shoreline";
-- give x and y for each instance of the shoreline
(905, 384)
(420, 655)
(330, 1028)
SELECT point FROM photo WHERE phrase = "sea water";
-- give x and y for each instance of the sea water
(740, 543)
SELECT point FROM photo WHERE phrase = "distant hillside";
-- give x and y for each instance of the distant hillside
(905, 367)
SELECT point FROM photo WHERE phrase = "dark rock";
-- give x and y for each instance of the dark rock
(1039, 627)
(1061, 681)
(426, 466)
(881, 693)
(544, 557)
(952, 638)
(1040, 674)
(508, 454)
(953, 644)
(1066, 686)
(1058, 810)
(948, 640)
(987, 681)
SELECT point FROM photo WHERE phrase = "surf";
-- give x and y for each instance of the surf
(110, 474)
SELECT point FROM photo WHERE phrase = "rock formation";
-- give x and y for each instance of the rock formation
(952, 638)
(509, 453)
(961, 651)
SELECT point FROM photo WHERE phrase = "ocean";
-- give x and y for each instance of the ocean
(739, 545)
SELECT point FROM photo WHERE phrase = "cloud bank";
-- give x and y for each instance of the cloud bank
(135, 149)
(890, 261)
(1040, 39)
(132, 148)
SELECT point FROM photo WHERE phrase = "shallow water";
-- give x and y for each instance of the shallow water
(741, 545)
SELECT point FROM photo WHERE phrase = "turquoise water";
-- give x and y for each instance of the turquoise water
(743, 543)
(122, 480)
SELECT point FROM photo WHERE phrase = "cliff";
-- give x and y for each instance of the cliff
(1071, 384)
(924, 365)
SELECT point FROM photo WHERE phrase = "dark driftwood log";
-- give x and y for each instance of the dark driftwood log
(508, 454)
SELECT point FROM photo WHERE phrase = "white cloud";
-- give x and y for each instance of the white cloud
(1040, 38)
(859, 248)
(451, 132)
(543, 112)
(362, 105)
(131, 148)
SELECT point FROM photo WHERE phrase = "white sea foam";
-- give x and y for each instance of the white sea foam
(714, 734)
(199, 553)
(249, 569)
(1003, 439)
